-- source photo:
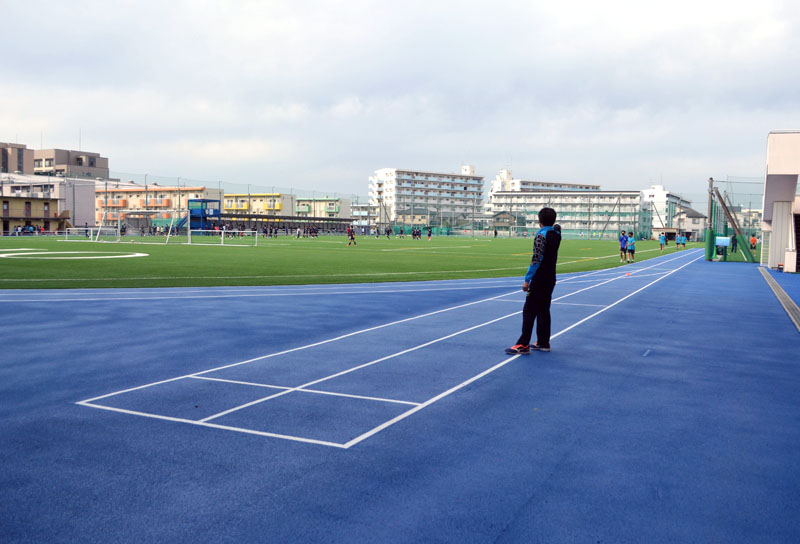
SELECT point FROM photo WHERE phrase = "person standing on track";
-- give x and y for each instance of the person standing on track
(539, 284)
(631, 247)
(623, 247)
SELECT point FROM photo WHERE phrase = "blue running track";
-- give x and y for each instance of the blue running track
(667, 412)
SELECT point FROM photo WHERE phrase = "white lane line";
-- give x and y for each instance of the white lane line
(577, 304)
(251, 295)
(320, 343)
(316, 391)
(427, 403)
(397, 354)
(335, 339)
(212, 425)
(359, 367)
(300, 289)
(501, 364)
(89, 402)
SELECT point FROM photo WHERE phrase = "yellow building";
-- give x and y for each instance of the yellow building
(19, 211)
(256, 203)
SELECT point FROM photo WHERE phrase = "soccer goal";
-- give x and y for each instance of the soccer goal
(223, 237)
(91, 234)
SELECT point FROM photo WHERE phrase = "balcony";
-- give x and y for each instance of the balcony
(278, 206)
(243, 207)
(154, 202)
(302, 209)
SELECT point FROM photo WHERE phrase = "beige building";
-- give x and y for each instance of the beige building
(16, 158)
(159, 204)
(30, 211)
(780, 222)
(81, 164)
(323, 207)
(257, 203)
(75, 197)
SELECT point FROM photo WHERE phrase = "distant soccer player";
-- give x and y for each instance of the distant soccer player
(631, 247)
(539, 283)
(661, 240)
(351, 235)
(430, 233)
(623, 247)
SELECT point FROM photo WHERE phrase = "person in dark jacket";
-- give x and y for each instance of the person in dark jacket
(539, 284)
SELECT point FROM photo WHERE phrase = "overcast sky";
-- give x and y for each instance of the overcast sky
(318, 95)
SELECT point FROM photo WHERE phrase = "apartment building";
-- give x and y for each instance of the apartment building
(160, 204)
(423, 197)
(597, 214)
(665, 205)
(323, 207)
(80, 164)
(16, 158)
(258, 203)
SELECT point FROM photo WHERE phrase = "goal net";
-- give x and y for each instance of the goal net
(91, 234)
(223, 237)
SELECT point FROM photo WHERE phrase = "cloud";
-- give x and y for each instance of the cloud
(323, 93)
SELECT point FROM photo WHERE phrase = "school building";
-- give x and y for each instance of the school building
(591, 213)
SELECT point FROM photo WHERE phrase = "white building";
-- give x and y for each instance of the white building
(596, 214)
(665, 205)
(409, 196)
(781, 220)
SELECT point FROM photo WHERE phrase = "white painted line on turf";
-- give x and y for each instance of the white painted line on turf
(317, 391)
(213, 425)
(501, 364)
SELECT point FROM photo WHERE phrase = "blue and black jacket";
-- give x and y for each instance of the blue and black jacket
(542, 270)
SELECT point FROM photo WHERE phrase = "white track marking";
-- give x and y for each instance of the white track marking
(427, 403)
(320, 343)
(377, 327)
(501, 364)
(213, 425)
(251, 295)
(577, 304)
(381, 359)
(359, 367)
(89, 402)
(289, 276)
(317, 391)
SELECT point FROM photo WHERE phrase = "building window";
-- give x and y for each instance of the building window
(37, 163)
(48, 162)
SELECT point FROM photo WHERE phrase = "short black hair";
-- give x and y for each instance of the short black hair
(557, 227)
(547, 217)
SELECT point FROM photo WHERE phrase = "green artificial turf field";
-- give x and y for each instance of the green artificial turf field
(33, 262)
